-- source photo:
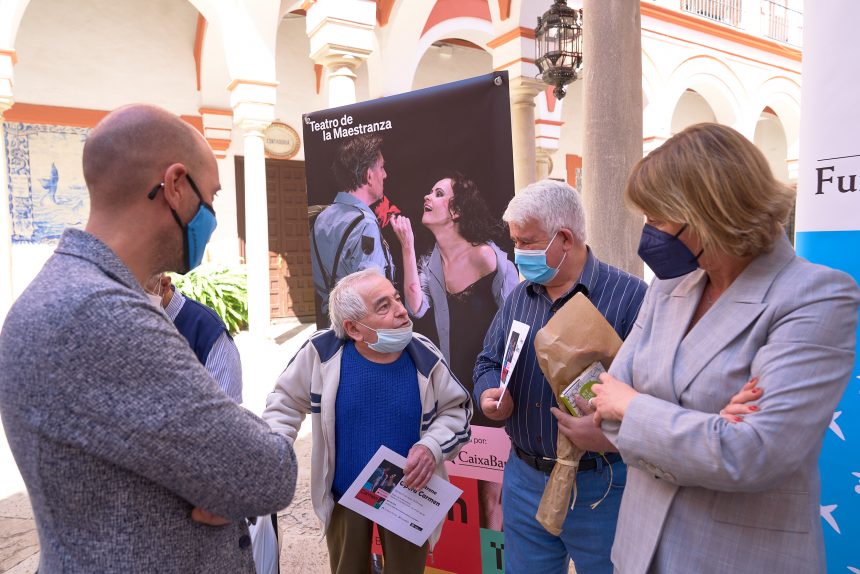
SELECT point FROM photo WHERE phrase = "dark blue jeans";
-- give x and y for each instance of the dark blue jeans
(587, 535)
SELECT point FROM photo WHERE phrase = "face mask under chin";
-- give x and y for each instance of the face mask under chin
(390, 340)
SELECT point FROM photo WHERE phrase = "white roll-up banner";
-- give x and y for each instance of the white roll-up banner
(828, 232)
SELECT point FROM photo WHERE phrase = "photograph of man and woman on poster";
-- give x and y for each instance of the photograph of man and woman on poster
(422, 201)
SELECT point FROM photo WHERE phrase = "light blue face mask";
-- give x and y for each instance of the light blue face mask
(532, 264)
(198, 231)
(390, 340)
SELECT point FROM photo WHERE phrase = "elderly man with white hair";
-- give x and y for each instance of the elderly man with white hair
(370, 381)
(547, 225)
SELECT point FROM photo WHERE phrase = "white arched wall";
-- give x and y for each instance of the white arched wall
(690, 109)
(103, 54)
(652, 80)
(782, 95)
(436, 68)
(296, 76)
(396, 48)
(524, 13)
(250, 31)
(770, 138)
(716, 83)
(12, 12)
(214, 75)
(470, 62)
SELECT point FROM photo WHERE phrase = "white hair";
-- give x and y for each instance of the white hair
(346, 303)
(552, 204)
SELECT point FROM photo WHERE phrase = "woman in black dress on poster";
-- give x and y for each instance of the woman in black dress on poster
(465, 278)
(463, 281)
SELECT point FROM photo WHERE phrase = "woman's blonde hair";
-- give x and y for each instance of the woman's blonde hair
(714, 179)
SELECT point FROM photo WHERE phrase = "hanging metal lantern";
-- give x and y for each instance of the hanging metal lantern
(558, 43)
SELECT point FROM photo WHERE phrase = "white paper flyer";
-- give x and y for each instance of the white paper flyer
(516, 339)
(379, 495)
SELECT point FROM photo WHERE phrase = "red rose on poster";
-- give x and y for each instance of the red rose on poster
(384, 210)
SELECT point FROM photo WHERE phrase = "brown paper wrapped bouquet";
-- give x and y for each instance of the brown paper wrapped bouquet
(574, 338)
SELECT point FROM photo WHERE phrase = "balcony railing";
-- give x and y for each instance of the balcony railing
(781, 23)
(725, 11)
(770, 18)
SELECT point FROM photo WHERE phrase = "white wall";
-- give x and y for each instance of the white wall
(101, 54)
(295, 72)
(692, 109)
(572, 130)
(460, 63)
(770, 139)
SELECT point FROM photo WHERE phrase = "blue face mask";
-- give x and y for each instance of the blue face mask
(665, 254)
(532, 264)
(390, 340)
(199, 229)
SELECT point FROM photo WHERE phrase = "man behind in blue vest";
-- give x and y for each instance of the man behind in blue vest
(205, 332)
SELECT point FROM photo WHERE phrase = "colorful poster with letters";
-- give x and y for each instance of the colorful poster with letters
(446, 173)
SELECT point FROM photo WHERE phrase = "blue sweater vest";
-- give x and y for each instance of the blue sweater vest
(200, 326)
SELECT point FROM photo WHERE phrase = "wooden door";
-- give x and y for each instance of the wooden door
(291, 283)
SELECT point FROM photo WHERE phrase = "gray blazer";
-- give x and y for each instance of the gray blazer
(432, 279)
(119, 431)
(704, 495)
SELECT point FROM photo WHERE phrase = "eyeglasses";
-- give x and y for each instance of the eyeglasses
(151, 195)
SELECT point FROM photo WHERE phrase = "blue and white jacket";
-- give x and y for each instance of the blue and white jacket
(309, 385)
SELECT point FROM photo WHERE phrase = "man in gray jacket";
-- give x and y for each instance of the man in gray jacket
(130, 452)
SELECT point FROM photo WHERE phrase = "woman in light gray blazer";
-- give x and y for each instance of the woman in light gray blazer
(732, 302)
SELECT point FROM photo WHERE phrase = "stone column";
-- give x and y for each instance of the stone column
(253, 110)
(613, 127)
(340, 78)
(6, 290)
(256, 228)
(523, 92)
(543, 163)
(341, 38)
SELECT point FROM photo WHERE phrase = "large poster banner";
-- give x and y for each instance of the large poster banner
(828, 232)
(415, 185)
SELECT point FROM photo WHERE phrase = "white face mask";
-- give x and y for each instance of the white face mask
(390, 340)
(155, 300)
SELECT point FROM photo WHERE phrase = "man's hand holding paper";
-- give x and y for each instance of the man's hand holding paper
(419, 467)
(495, 409)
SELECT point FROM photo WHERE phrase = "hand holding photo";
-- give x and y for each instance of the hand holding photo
(516, 337)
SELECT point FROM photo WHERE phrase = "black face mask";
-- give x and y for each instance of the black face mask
(665, 254)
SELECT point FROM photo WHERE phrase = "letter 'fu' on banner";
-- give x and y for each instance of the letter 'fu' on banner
(402, 184)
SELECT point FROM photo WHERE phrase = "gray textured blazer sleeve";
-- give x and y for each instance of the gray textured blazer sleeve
(156, 412)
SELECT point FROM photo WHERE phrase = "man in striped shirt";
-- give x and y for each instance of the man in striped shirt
(547, 225)
(205, 332)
